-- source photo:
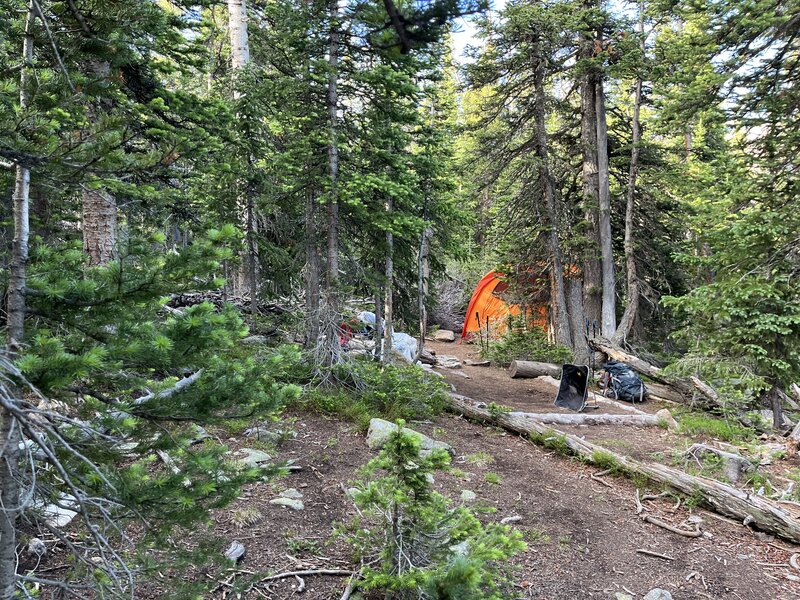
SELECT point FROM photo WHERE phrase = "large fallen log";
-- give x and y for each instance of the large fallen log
(725, 499)
(593, 419)
(528, 369)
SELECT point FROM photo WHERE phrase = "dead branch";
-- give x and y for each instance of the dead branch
(656, 554)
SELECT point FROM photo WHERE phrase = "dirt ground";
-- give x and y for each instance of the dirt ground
(583, 535)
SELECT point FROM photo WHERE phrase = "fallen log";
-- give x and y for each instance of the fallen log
(529, 369)
(597, 398)
(684, 387)
(733, 464)
(592, 419)
(762, 513)
(659, 391)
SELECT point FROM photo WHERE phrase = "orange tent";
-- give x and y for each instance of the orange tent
(486, 303)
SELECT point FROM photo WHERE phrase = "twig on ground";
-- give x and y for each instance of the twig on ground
(692, 534)
(655, 554)
(639, 505)
(301, 584)
(793, 561)
(307, 572)
(597, 477)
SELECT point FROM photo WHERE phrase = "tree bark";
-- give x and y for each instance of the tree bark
(577, 318)
(333, 149)
(609, 294)
(632, 278)
(389, 287)
(423, 281)
(240, 43)
(312, 273)
(592, 269)
(560, 314)
(590, 419)
(762, 513)
(99, 226)
(15, 334)
(524, 369)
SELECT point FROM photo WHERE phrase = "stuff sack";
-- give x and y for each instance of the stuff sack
(622, 383)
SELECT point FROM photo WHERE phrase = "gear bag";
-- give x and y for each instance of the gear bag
(622, 382)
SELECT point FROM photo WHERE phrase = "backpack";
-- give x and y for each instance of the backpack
(622, 382)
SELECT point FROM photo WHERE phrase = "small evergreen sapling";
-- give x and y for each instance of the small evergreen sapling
(413, 542)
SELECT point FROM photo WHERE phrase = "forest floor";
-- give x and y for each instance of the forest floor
(582, 535)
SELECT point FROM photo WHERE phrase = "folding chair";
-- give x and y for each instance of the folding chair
(574, 388)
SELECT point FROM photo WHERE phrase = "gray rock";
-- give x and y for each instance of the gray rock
(380, 430)
(460, 549)
(445, 335)
(468, 495)
(448, 362)
(292, 503)
(254, 340)
(254, 458)
(657, 594)
(36, 547)
(290, 493)
(621, 596)
(509, 520)
(235, 551)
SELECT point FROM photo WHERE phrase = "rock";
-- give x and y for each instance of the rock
(460, 549)
(666, 417)
(292, 503)
(427, 357)
(199, 434)
(235, 551)
(263, 433)
(509, 520)
(59, 515)
(429, 369)
(380, 430)
(621, 596)
(254, 340)
(36, 547)
(657, 594)
(445, 335)
(477, 363)
(254, 457)
(290, 493)
(448, 362)
(468, 495)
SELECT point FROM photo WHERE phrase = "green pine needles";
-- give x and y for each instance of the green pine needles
(413, 543)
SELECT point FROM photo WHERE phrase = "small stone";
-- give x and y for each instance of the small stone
(695, 520)
(657, 594)
(460, 549)
(235, 551)
(509, 520)
(445, 335)
(199, 434)
(621, 596)
(288, 502)
(37, 547)
(666, 417)
(468, 495)
(254, 340)
(291, 493)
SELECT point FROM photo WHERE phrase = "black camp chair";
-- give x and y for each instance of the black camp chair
(574, 388)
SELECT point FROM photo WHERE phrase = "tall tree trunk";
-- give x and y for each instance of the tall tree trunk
(240, 43)
(15, 333)
(609, 295)
(423, 281)
(577, 320)
(312, 273)
(560, 316)
(330, 298)
(378, 318)
(388, 316)
(592, 269)
(252, 254)
(99, 226)
(632, 278)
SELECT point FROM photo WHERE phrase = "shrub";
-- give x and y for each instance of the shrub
(520, 343)
(414, 542)
(370, 389)
(703, 424)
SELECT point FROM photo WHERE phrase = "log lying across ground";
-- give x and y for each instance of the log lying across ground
(597, 398)
(682, 388)
(528, 369)
(592, 419)
(725, 499)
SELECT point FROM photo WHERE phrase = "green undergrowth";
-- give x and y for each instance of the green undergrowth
(367, 390)
(520, 343)
(703, 424)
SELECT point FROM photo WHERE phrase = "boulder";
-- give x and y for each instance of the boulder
(292, 503)
(380, 430)
(444, 335)
(468, 495)
(254, 458)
